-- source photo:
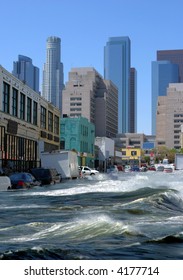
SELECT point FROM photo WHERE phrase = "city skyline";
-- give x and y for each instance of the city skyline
(84, 31)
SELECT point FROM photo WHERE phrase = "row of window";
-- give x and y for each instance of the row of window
(133, 153)
(27, 109)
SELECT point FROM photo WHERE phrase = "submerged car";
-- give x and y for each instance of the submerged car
(23, 180)
(85, 170)
(46, 175)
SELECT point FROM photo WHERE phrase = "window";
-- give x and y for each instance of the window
(62, 144)
(56, 125)
(43, 117)
(62, 127)
(15, 102)
(50, 121)
(29, 109)
(35, 113)
(22, 106)
(6, 98)
(123, 153)
(133, 153)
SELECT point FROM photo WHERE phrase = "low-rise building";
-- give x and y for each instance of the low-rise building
(131, 156)
(105, 155)
(78, 134)
(28, 123)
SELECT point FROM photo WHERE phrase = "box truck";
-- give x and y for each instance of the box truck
(178, 161)
(65, 162)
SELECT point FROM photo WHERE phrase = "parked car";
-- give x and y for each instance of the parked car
(152, 168)
(46, 175)
(23, 180)
(112, 169)
(135, 168)
(120, 168)
(160, 168)
(85, 170)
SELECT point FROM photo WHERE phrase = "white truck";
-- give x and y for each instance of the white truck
(65, 162)
(178, 161)
(5, 183)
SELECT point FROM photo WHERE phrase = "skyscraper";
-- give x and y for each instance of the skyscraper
(174, 56)
(53, 73)
(133, 101)
(25, 71)
(163, 73)
(117, 57)
(88, 95)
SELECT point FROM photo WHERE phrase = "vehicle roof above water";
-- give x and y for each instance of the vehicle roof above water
(21, 175)
(43, 169)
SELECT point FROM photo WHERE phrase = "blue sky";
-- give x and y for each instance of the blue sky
(84, 27)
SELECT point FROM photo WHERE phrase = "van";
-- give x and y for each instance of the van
(46, 176)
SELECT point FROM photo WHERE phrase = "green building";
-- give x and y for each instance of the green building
(78, 134)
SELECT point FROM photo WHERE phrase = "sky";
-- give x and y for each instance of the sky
(84, 27)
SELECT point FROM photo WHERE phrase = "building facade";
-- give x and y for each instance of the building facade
(117, 61)
(78, 134)
(87, 94)
(53, 81)
(131, 156)
(105, 153)
(170, 117)
(24, 70)
(28, 123)
(163, 73)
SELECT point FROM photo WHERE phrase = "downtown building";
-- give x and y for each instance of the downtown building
(117, 68)
(170, 117)
(53, 81)
(28, 124)
(24, 70)
(88, 95)
(168, 68)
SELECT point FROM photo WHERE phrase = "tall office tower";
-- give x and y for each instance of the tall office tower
(170, 117)
(133, 101)
(174, 56)
(163, 73)
(88, 95)
(53, 73)
(25, 71)
(117, 56)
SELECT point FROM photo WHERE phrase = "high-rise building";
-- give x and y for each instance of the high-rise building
(170, 117)
(133, 101)
(88, 95)
(117, 57)
(24, 70)
(163, 73)
(53, 73)
(174, 56)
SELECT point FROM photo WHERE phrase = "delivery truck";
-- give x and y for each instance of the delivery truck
(178, 161)
(65, 162)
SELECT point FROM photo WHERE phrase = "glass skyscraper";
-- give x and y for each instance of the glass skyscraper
(163, 73)
(117, 59)
(25, 71)
(174, 56)
(53, 73)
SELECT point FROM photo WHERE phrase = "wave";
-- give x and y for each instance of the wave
(41, 253)
(169, 239)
